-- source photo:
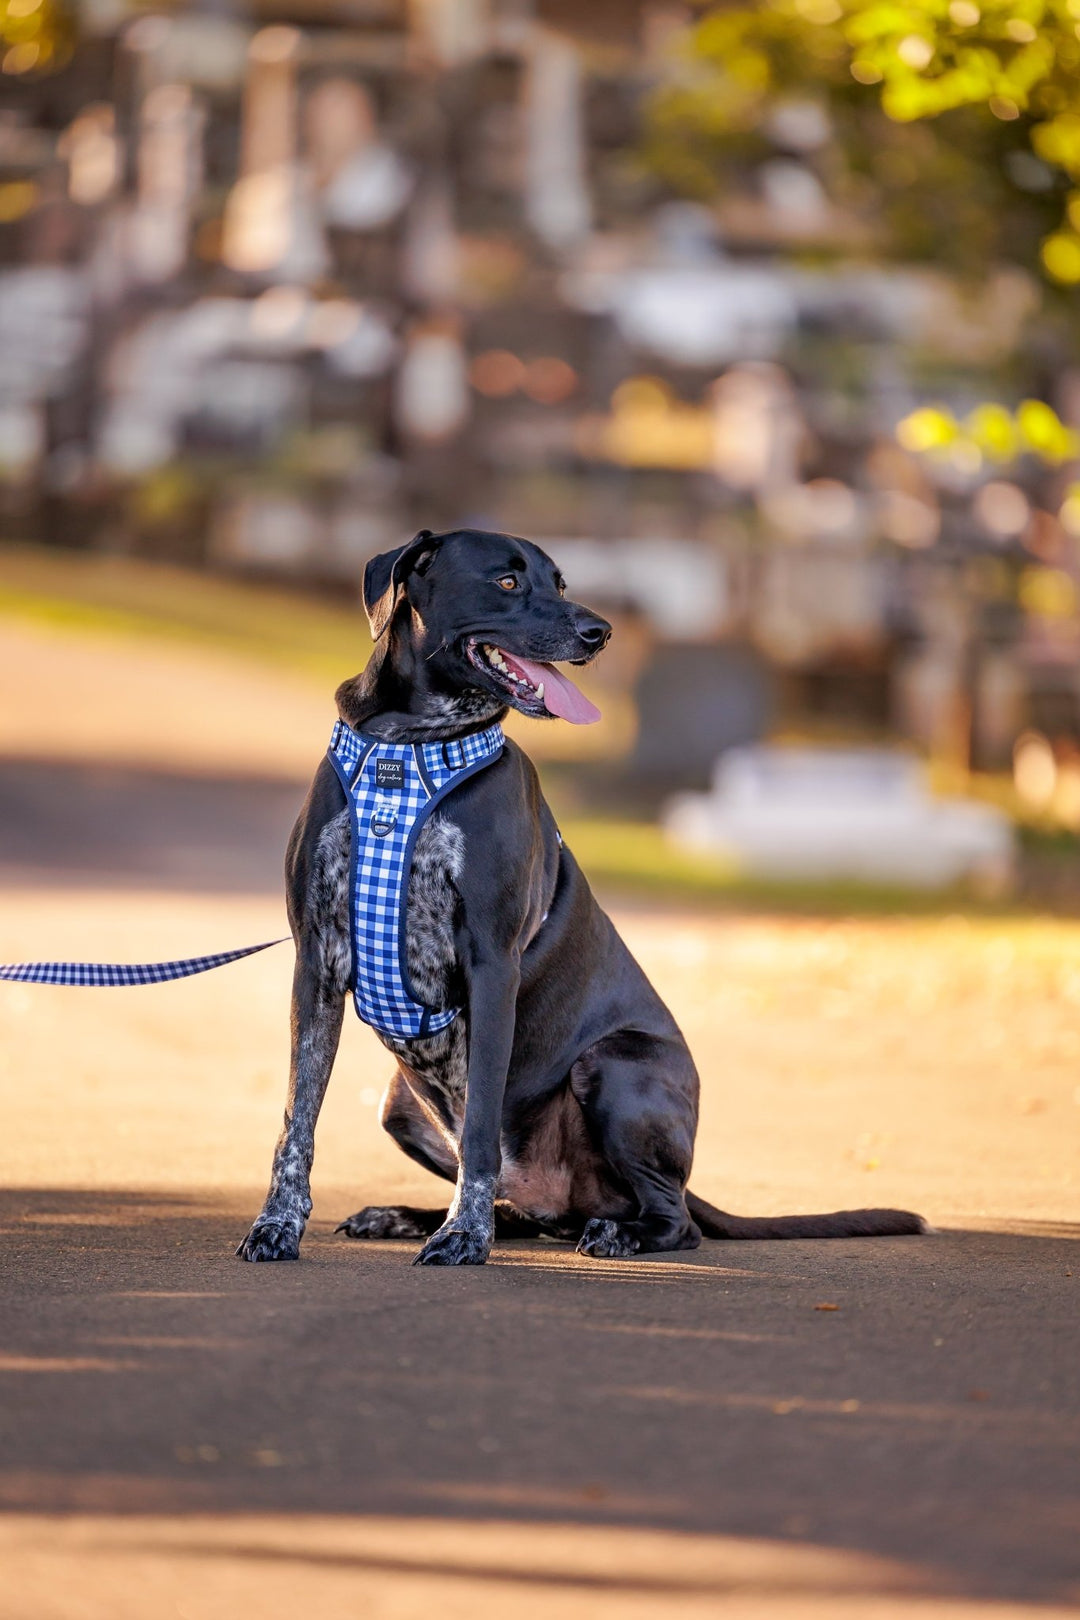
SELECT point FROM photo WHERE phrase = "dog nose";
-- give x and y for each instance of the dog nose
(594, 632)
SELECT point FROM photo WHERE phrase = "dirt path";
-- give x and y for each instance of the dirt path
(183, 1435)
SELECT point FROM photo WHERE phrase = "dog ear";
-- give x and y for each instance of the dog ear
(385, 576)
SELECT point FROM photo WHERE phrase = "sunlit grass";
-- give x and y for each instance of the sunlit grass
(124, 596)
(636, 858)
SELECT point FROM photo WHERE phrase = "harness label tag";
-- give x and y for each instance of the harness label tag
(390, 773)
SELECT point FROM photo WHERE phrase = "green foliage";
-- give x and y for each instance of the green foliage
(954, 127)
(993, 432)
(36, 36)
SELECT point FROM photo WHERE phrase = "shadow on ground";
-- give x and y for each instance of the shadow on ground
(64, 823)
(915, 1400)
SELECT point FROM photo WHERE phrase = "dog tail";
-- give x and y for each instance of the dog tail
(845, 1223)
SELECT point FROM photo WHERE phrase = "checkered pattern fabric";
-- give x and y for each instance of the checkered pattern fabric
(392, 788)
(97, 974)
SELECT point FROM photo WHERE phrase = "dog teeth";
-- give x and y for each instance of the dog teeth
(495, 658)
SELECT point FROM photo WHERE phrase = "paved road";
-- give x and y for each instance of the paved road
(546, 1435)
(76, 824)
(181, 1435)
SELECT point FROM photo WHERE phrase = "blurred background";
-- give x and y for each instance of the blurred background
(763, 320)
(760, 320)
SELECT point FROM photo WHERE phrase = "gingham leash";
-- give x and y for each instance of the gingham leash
(97, 974)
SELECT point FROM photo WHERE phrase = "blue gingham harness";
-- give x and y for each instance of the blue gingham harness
(391, 789)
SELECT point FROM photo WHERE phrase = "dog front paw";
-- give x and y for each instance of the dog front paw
(455, 1246)
(272, 1240)
(607, 1240)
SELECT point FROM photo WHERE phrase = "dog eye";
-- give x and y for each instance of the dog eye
(508, 582)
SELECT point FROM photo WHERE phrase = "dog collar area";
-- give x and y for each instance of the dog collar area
(391, 789)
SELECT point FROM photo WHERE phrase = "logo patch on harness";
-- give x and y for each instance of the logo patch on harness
(390, 773)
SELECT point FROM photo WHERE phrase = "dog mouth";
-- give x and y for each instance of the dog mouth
(534, 688)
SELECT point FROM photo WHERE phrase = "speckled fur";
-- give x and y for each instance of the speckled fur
(277, 1233)
(328, 902)
(438, 859)
(445, 716)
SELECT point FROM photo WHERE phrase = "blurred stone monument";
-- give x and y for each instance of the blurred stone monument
(694, 702)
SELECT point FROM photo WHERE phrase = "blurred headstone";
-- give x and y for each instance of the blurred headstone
(757, 428)
(431, 396)
(556, 194)
(363, 184)
(450, 32)
(820, 815)
(270, 220)
(693, 703)
(169, 161)
(430, 256)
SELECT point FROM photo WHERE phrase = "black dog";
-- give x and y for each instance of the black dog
(563, 1095)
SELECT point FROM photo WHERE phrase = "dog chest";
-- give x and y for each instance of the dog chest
(402, 860)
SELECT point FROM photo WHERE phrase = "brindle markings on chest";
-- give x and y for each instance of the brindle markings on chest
(438, 1061)
(328, 905)
(443, 718)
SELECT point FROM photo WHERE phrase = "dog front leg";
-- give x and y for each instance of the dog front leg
(317, 1011)
(465, 1237)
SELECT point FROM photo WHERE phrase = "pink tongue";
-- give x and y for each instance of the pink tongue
(561, 696)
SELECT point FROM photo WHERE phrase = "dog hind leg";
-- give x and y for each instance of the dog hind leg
(392, 1221)
(404, 1221)
(404, 1119)
(639, 1095)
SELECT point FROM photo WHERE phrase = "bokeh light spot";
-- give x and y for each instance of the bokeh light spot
(496, 373)
(16, 199)
(21, 58)
(1034, 770)
(1048, 593)
(929, 428)
(915, 51)
(1001, 508)
(549, 380)
(1061, 256)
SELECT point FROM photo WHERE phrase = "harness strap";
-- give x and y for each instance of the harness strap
(97, 974)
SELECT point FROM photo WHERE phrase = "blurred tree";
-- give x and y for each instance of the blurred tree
(36, 36)
(950, 128)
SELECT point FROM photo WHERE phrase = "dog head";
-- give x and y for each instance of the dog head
(489, 614)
